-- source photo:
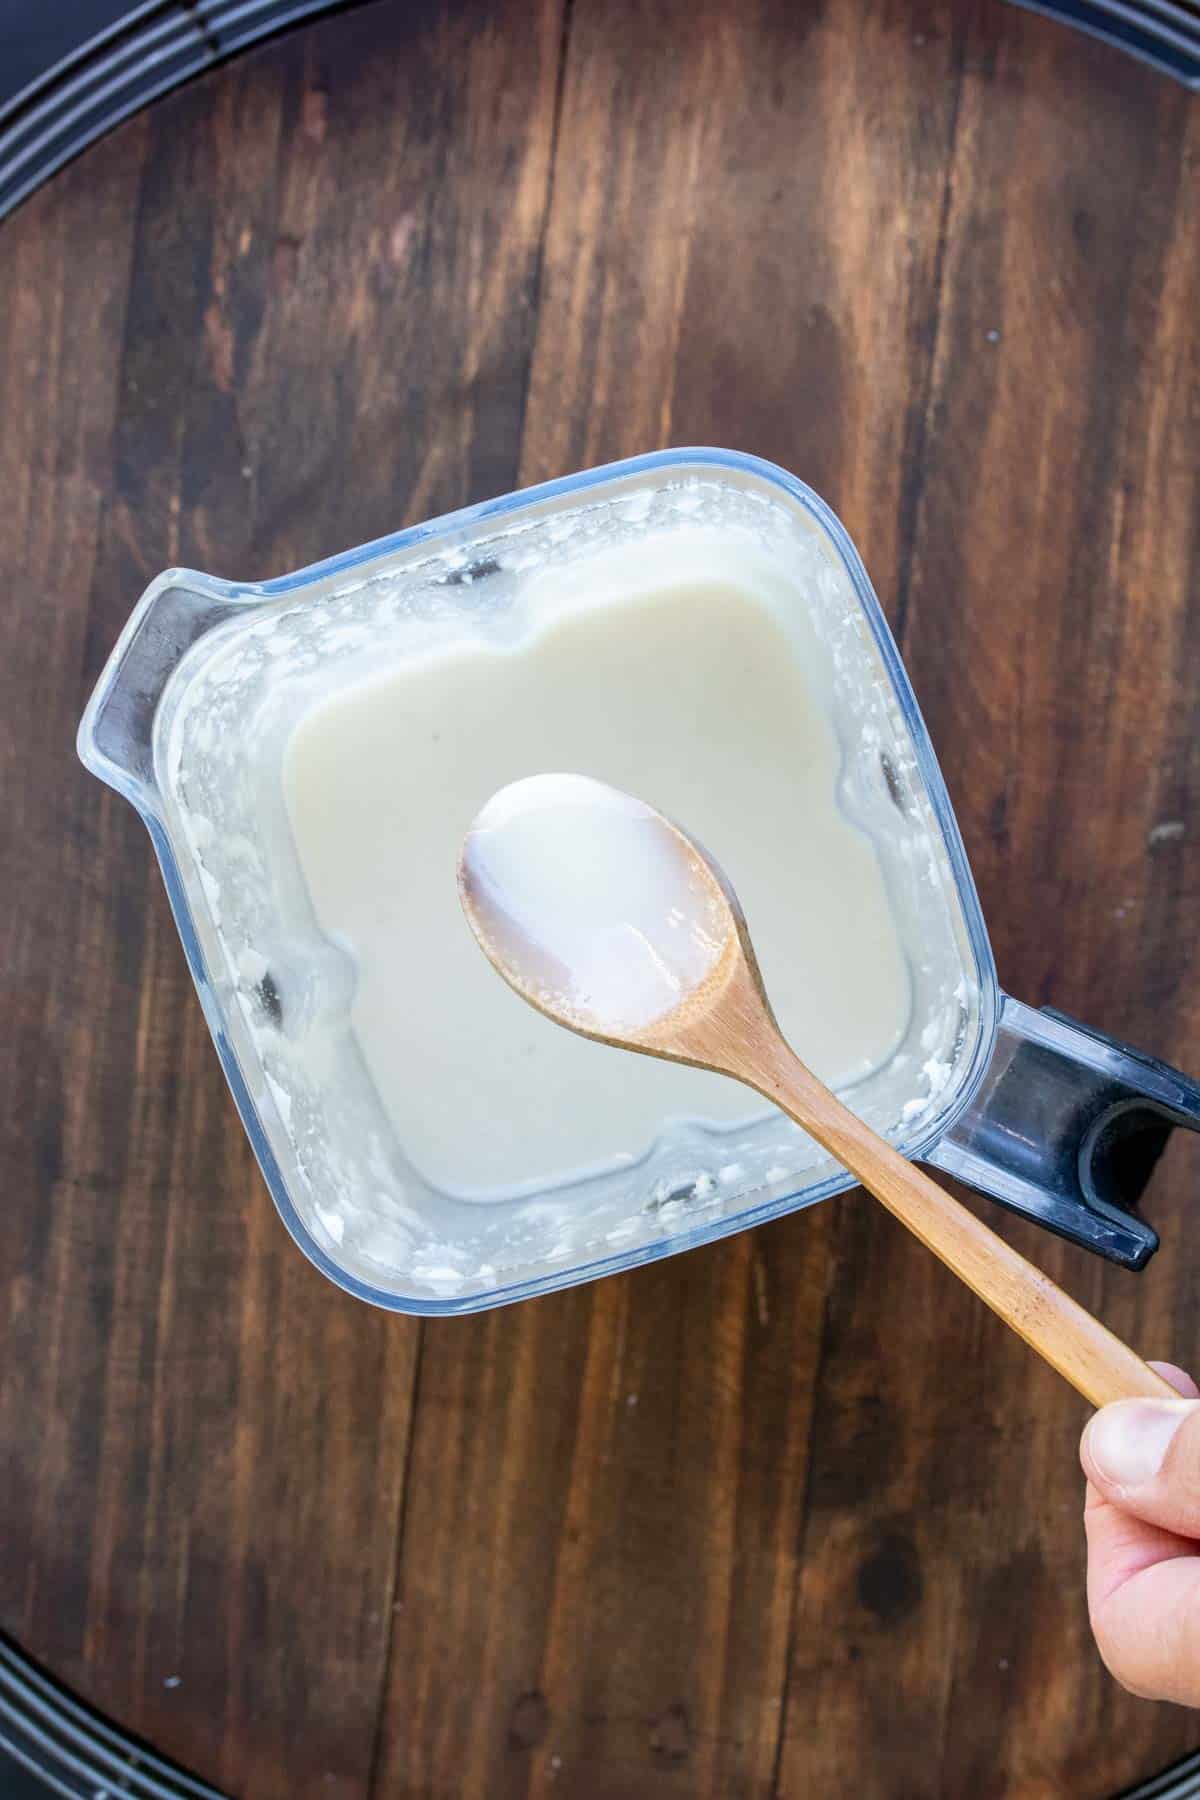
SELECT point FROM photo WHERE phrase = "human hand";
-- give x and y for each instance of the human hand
(1142, 1518)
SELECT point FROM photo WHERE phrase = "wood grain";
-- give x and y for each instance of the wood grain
(203, 1443)
(790, 1515)
(1068, 272)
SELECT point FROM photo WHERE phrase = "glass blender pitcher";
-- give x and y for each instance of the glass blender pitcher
(189, 721)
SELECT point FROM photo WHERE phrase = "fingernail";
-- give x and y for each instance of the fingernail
(1128, 1440)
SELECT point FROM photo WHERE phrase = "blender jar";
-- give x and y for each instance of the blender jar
(190, 720)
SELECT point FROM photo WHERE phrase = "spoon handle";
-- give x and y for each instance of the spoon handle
(1064, 1333)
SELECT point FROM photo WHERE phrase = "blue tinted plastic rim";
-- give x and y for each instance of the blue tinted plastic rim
(446, 527)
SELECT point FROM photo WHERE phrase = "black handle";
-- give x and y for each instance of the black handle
(1066, 1128)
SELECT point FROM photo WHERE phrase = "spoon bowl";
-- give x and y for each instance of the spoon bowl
(603, 914)
(609, 919)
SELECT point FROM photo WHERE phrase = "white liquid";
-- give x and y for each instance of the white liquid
(593, 903)
(661, 673)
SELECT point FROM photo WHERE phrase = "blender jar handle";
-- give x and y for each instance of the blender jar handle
(1066, 1128)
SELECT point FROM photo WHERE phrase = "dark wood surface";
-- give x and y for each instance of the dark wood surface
(790, 1515)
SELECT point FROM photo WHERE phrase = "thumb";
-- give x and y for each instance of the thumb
(1144, 1455)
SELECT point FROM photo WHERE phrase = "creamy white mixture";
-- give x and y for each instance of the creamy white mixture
(673, 677)
(591, 903)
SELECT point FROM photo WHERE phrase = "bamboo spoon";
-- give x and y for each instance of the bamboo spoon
(610, 920)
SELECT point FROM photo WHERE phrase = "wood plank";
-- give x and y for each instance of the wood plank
(941, 1644)
(286, 311)
(623, 1626)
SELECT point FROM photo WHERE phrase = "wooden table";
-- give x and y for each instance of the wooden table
(791, 1515)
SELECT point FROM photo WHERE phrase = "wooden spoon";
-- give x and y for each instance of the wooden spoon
(606, 917)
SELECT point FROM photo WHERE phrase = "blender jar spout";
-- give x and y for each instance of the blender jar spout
(116, 734)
